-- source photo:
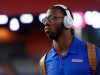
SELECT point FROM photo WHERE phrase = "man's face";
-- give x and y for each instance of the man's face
(53, 23)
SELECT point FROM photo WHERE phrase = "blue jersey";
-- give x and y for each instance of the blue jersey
(74, 62)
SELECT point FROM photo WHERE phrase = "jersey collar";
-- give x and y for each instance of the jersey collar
(73, 48)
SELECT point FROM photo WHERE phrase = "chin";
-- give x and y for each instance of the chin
(52, 37)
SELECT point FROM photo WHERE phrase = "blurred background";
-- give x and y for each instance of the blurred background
(22, 39)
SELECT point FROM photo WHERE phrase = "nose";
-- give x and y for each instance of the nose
(46, 23)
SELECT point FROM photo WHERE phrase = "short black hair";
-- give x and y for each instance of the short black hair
(63, 10)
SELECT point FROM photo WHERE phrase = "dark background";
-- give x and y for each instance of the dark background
(21, 50)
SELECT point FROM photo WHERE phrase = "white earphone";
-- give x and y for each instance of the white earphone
(68, 20)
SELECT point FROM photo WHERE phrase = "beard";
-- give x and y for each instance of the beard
(55, 35)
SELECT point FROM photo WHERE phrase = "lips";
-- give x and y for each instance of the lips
(47, 30)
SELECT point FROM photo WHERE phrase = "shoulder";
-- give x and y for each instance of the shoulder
(43, 58)
(48, 55)
(98, 50)
(98, 53)
(78, 43)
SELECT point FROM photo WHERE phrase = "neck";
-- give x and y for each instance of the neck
(62, 43)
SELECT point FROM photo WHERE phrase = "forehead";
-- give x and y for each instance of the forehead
(56, 12)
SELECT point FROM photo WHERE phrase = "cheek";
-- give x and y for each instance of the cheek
(57, 28)
(60, 23)
(57, 25)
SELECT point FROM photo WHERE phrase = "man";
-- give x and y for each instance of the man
(68, 55)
